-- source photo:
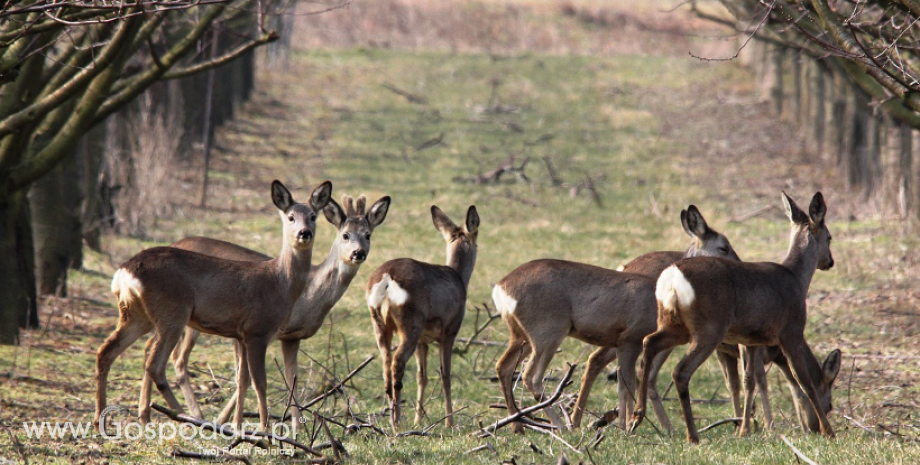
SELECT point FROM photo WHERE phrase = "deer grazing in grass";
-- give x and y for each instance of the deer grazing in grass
(166, 288)
(544, 301)
(707, 301)
(326, 283)
(423, 304)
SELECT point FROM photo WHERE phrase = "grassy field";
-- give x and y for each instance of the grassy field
(650, 133)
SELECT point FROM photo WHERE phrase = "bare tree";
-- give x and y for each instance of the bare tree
(65, 67)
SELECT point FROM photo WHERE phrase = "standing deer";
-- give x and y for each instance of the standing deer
(423, 304)
(326, 283)
(165, 289)
(544, 301)
(708, 242)
(705, 301)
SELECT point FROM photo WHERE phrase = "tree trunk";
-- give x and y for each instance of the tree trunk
(14, 301)
(51, 225)
(905, 160)
(90, 154)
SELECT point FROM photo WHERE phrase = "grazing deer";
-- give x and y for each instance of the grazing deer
(423, 304)
(326, 283)
(705, 301)
(166, 289)
(544, 301)
(708, 242)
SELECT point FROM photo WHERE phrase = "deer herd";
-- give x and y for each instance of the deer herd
(706, 296)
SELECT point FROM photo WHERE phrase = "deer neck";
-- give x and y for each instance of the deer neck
(462, 258)
(332, 276)
(293, 266)
(802, 257)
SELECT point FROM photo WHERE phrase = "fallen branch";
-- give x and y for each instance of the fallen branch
(430, 143)
(230, 432)
(337, 386)
(480, 329)
(797, 452)
(736, 421)
(857, 423)
(482, 343)
(520, 414)
(413, 98)
(487, 446)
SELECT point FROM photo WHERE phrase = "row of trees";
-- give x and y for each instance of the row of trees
(850, 74)
(80, 78)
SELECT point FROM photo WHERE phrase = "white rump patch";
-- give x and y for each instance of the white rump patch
(621, 268)
(503, 302)
(673, 289)
(124, 283)
(386, 288)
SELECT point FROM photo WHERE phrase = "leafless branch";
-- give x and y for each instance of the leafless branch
(519, 415)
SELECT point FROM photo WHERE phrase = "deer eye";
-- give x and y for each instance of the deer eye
(723, 249)
(313, 217)
(291, 218)
(367, 236)
(346, 236)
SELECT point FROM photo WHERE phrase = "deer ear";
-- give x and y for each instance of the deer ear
(334, 213)
(694, 223)
(793, 211)
(378, 212)
(817, 209)
(472, 220)
(321, 196)
(442, 223)
(281, 197)
(831, 366)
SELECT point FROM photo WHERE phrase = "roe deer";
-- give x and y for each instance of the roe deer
(546, 300)
(326, 283)
(423, 303)
(705, 301)
(165, 288)
(708, 242)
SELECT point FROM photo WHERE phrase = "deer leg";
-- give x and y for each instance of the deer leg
(446, 348)
(660, 341)
(536, 368)
(697, 353)
(385, 345)
(143, 402)
(255, 358)
(794, 353)
(127, 332)
(407, 344)
(751, 357)
(163, 345)
(598, 360)
(421, 358)
(180, 363)
(626, 379)
(289, 349)
(760, 378)
(242, 384)
(653, 394)
(239, 363)
(518, 348)
(729, 364)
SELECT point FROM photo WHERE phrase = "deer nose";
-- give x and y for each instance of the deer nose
(305, 235)
(359, 255)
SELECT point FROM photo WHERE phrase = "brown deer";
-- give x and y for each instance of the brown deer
(326, 283)
(423, 304)
(166, 288)
(706, 301)
(544, 301)
(708, 242)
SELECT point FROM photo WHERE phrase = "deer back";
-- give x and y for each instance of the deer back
(220, 249)
(596, 305)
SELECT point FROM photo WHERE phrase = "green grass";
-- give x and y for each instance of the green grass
(607, 118)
